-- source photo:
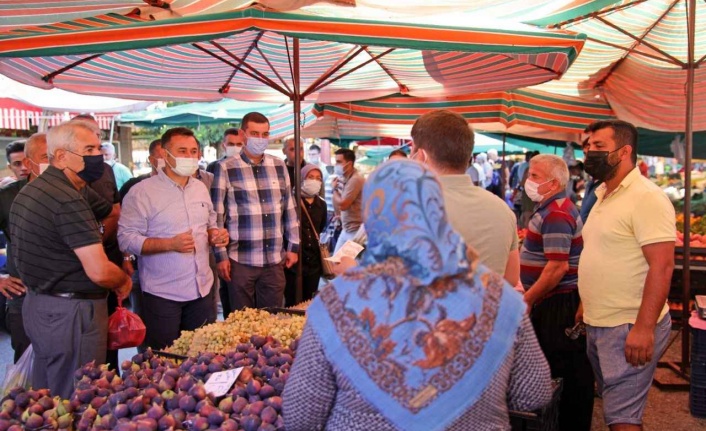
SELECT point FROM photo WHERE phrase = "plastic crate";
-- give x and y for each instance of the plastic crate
(544, 419)
(698, 345)
(697, 400)
(698, 372)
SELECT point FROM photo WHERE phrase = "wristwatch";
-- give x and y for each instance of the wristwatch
(129, 258)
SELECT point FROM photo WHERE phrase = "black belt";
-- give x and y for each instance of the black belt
(77, 295)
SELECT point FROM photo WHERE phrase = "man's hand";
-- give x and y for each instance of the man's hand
(639, 346)
(529, 300)
(290, 259)
(183, 242)
(579, 314)
(224, 270)
(334, 183)
(128, 268)
(218, 237)
(124, 289)
(11, 286)
(346, 263)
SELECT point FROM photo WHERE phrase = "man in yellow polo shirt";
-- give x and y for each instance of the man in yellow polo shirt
(624, 274)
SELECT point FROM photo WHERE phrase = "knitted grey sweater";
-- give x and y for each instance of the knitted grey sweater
(317, 396)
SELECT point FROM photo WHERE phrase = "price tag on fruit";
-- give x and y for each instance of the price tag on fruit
(220, 383)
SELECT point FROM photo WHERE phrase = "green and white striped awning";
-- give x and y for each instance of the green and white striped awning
(233, 53)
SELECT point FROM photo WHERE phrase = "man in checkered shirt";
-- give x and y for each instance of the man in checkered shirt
(252, 197)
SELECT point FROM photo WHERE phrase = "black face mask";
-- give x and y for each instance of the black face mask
(92, 169)
(598, 166)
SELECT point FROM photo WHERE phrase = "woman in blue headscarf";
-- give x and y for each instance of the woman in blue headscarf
(418, 337)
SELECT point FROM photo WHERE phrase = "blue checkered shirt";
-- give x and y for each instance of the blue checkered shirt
(255, 204)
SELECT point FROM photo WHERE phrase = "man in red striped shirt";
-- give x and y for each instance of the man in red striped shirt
(548, 270)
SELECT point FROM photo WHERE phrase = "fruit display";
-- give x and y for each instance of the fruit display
(156, 394)
(221, 337)
(301, 306)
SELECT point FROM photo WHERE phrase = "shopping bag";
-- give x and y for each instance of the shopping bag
(125, 329)
(326, 265)
(19, 374)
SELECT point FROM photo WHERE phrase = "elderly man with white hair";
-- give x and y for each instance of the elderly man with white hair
(122, 172)
(59, 257)
(548, 270)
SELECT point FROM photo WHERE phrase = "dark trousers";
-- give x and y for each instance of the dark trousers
(111, 356)
(165, 319)
(310, 284)
(225, 299)
(256, 287)
(136, 302)
(18, 337)
(567, 359)
(65, 334)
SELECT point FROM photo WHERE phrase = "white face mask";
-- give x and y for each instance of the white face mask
(185, 166)
(42, 166)
(532, 190)
(233, 150)
(161, 164)
(311, 187)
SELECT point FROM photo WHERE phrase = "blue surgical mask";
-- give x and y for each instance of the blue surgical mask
(338, 170)
(257, 146)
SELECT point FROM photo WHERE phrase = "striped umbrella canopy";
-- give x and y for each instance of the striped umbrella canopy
(524, 112)
(197, 113)
(636, 58)
(248, 54)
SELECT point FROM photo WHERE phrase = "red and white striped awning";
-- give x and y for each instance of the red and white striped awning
(17, 115)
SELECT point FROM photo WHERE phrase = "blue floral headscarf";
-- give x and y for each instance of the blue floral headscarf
(418, 329)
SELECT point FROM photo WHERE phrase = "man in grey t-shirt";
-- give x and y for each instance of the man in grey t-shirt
(348, 195)
(443, 141)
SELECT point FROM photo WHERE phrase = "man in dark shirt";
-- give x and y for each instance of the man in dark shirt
(56, 247)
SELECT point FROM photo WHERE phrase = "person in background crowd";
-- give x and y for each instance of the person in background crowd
(100, 177)
(549, 262)
(347, 195)
(15, 152)
(576, 181)
(314, 157)
(526, 204)
(443, 141)
(625, 272)
(289, 155)
(474, 171)
(313, 221)
(232, 144)
(130, 262)
(57, 250)
(207, 179)
(396, 296)
(122, 173)
(485, 169)
(517, 177)
(168, 220)
(252, 196)
(644, 169)
(397, 154)
(589, 196)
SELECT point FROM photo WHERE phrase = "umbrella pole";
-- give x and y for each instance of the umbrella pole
(686, 278)
(296, 99)
(502, 169)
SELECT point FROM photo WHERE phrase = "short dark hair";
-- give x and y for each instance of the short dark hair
(315, 147)
(153, 146)
(176, 131)
(14, 147)
(446, 137)
(398, 152)
(348, 155)
(231, 131)
(253, 117)
(624, 133)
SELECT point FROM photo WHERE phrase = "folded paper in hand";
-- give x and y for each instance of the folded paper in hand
(349, 249)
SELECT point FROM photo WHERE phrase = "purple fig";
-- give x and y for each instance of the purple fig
(36, 409)
(200, 424)
(178, 415)
(198, 392)
(239, 404)
(226, 405)
(254, 387)
(126, 426)
(147, 424)
(136, 406)
(109, 421)
(275, 403)
(267, 427)
(103, 392)
(166, 422)
(173, 402)
(104, 409)
(34, 421)
(254, 398)
(266, 391)
(250, 423)
(98, 401)
(258, 341)
(130, 381)
(268, 415)
(121, 411)
(187, 403)
(257, 407)
(229, 425)
(156, 412)
(117, 398)
(239, 391)
(216, 418)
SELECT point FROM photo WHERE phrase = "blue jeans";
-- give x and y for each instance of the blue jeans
(623, 387)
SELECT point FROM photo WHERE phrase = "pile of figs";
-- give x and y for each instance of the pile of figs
(157, 393)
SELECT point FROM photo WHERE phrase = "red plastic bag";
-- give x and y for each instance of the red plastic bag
(125, 329)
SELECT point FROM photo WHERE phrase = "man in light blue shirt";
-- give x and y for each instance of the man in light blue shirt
(122, 172)
(168, 220)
